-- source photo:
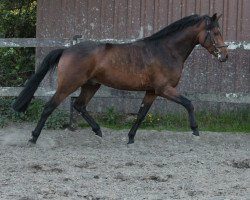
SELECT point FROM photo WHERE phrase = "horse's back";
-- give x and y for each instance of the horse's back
(82, 49)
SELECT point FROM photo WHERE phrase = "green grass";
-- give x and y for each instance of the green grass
(226, 122)
(57, 120)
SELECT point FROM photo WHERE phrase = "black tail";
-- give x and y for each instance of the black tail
(24, 98)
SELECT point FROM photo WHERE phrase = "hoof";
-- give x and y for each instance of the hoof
(98, 133)
(131, 141)
(32, 140)
(196, 133)
(99, 139)
(30, 144)
(72, 128)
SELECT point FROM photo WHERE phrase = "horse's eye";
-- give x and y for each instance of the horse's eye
(216, 33)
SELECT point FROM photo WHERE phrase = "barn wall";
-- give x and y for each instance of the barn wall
(132, 19)
(135, 18)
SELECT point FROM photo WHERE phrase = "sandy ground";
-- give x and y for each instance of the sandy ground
(160, 165)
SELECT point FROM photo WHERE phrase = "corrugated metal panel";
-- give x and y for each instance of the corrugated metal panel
(135, 18)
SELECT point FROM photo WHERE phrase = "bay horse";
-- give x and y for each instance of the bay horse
(152, 64)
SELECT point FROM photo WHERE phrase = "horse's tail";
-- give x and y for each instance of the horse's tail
(24, 98)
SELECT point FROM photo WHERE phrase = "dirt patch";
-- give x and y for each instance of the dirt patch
(160, 165)
(242, 164)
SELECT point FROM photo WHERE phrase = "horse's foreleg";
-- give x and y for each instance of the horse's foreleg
(190, 108)
(145, 106)
(171, 94)
(87, 92)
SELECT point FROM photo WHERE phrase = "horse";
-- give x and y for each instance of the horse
(152, 64)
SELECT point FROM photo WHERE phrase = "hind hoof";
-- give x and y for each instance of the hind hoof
(71, 128)
(99, 139)
(98, 133)
(196, 133)
(32, 140)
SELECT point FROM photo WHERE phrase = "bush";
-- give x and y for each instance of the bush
(16, 65)
(17, 19)
(58, 119)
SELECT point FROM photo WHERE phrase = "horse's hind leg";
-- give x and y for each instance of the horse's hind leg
(145, 106)
(87, 92)
(49, 107)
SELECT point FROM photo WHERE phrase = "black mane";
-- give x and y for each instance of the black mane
(177, 26)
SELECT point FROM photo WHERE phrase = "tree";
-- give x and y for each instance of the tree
(17, 19)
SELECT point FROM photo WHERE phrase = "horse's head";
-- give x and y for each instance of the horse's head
(211, 38)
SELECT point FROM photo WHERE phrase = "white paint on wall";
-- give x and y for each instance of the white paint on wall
(141, 33)
(238, 45)
(150, 28)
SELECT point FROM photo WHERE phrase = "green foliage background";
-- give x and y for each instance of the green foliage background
(17, 20)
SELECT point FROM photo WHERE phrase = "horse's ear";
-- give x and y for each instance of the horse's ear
(219, 17)
(214, 17)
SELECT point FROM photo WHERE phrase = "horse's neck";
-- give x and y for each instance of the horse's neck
(182, 43)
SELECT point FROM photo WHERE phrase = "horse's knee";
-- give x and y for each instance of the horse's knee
(79, 107)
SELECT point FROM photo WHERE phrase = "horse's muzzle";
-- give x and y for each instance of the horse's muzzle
(222, 57)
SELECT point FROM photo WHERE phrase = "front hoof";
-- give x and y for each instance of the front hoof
(32, 140)
(131, 141)
(196, 133)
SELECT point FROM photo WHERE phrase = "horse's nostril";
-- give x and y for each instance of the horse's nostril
(223, 58)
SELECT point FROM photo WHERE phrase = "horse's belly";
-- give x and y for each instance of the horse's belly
(125, 81)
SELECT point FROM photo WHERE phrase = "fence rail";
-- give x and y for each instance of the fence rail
(34, 42)
(47, 42)
(107, 93)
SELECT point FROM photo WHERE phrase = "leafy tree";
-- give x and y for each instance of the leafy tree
(17, 20)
